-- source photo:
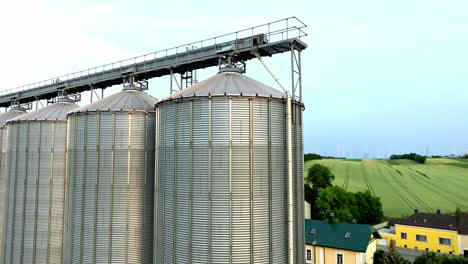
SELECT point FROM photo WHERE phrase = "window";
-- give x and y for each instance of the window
(404, 235)
(445, 241)
(339, 259)
(421, 238)
(347, 235)
(309, 255)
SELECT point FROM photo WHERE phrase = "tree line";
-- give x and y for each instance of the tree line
(311, 156)
(314, 156)
(412, 156)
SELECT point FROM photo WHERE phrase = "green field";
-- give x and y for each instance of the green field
(405, 185)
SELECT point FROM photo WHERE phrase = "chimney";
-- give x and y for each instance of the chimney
(354, 221)
(331, 218)
(438, 211)
(415, 211)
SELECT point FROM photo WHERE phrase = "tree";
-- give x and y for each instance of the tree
(379, 257)
(390, 257)
(318, 177)
(308, 195)
(325, 198)
(335, 200)
(368, 208)
(393, 257)
(348, 206)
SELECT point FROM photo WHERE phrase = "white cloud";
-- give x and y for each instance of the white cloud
(38, 44)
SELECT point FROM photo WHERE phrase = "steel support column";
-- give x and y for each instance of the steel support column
(296, 74)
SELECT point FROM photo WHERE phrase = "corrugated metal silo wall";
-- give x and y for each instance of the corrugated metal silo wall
(221, 181)
(298, 173)
(110, 188)
(4, 176)
(3, 187)
(36, 167)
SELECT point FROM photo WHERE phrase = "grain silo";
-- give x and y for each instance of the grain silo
(222, 174)
(110, 178)
(4, 117)
(36, 171)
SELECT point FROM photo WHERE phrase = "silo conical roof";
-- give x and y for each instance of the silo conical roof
(228, 83)
(125, 100)
(56, 111)
(13, 113)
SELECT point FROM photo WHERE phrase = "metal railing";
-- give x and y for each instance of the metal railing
(279, 30)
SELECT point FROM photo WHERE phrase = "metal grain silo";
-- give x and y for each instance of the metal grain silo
(221, 193)
(4, 117)
(36, 171)
(110, 178)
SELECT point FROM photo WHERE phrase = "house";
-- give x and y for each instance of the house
(339, 243)
(437, 232)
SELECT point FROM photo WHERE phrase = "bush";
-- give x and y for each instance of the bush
(432, 258)
(379, 257)
(390, 257)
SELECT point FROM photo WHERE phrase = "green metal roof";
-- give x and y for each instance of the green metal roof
(354, 237)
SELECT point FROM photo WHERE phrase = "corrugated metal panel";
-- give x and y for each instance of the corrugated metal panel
(298, 167)
(279, 182)
(222, 182)
(36, 167)
(4, 117)
(111, 181)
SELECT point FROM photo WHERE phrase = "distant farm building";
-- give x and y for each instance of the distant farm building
(442, 233)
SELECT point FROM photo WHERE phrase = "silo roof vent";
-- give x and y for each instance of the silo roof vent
(64, 99)
(230, 69)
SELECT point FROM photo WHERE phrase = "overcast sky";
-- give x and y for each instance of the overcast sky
(379, 77)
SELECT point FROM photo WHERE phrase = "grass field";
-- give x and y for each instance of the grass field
(405, 185)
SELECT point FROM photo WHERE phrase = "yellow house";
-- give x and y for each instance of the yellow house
(339, 243)
(447, 234)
